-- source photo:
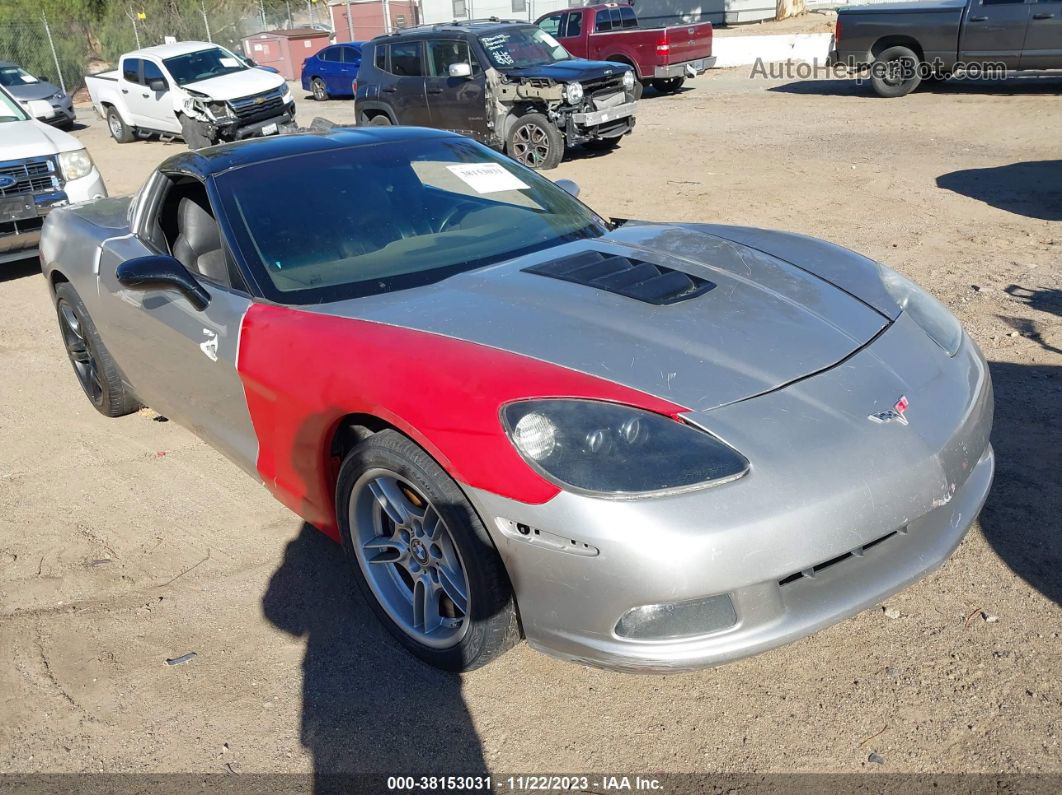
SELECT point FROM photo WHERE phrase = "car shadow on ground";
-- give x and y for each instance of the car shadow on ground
(19, 269)
(1020, 520)
(368, 707)
(1031, 188)
(853, 87)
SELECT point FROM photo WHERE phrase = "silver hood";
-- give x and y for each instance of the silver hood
(765, 324)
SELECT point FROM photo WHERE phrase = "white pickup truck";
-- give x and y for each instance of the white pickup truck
(192, 89)
(40, 168)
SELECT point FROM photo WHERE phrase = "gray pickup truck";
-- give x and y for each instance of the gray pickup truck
(902, 44)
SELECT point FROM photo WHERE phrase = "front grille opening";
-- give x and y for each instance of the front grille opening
(858, 552)
(642, 281)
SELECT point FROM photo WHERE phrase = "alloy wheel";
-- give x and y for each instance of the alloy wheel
(531, 145)
(409, 559)
(80, 352)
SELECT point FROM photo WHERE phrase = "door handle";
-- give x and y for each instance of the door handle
(389, 90)
(125, 90)
(145, 96)
(978, 19)
(435, 90)
(1043, 16)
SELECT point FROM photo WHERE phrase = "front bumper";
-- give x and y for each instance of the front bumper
(20, 236)
(238, 130)
(810, 536)
(596, 118)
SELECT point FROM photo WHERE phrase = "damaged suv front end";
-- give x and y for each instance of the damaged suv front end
(233, 119)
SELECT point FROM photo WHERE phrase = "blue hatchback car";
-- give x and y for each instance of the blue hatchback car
(331, 72)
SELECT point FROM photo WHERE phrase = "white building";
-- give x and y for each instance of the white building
(448, 10)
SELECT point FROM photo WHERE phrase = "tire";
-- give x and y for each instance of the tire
(120, 131)
(380, 120)
(895, 72)
(95, 369)
(192, 135)
(534, 141)
(669, 85)
(317, 86)
(387, 478)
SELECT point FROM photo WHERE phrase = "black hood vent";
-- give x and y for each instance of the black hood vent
(642, 281)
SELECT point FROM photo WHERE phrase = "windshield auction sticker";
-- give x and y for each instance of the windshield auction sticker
(487, 177)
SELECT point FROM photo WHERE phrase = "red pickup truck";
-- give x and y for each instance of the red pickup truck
(661, 57)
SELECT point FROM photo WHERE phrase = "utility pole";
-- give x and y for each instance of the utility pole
(350, 24)
(261, 7)
(206, 22)
(55, 58)
(132, 18)
(309, 12)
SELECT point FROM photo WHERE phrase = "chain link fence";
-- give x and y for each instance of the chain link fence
(64, 47)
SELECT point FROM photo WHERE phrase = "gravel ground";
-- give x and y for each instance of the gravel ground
(127, 542)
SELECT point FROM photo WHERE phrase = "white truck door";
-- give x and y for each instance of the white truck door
(150, 98)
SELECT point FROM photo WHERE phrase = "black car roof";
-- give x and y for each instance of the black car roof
(215, 160)
(477, 26)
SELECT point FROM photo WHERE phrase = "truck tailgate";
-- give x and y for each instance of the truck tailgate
(689, 42)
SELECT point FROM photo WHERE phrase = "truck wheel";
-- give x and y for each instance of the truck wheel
(534, 141)
(95, 369)
(895, 72)
(120, 131)
(193, 136)
(669, 85)
(380, 120)
(320, 93)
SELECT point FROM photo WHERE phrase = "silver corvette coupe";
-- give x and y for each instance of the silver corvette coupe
(637, 445)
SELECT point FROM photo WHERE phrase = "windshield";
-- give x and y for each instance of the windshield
(203, 65)
(13, 77)
(10, 109)
(384, 217)
(517, 48)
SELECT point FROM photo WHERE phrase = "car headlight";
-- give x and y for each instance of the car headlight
(573, 93)
(628, 80)
(75, 165)
(56, 97)
(612, 450)
(287, 98)
(936, 321)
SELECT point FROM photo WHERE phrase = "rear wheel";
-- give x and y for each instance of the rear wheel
(317, 86)
(895, 72)
(120, 131)
(534, 141)
(421, 555)
(380, 120)
(95, 369)
(669, 85)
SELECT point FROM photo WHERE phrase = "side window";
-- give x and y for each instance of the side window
(380, 58)
(443, 53)
(350, 55)
(602, 21)
(552, 24)
(617, 20)
(131, 70)
(331, 55)
(152, 72)
(628, 17)
(186, 221)
(405, 59)
(575, 24)
(1002, 2)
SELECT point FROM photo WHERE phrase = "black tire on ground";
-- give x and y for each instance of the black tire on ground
(317, 86)
(668, 85)
(192, 135)
(535, 141)
(95, 369)
(380, 120)
(895, 72)
(602, 144)
(120, 131)
(493, 627)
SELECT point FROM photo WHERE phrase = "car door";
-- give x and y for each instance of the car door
(329, 68)
(1043, 38)
(180, 361)
(994, 32)
(455, 103)
(404, 88)
(347, 69)
(151, 107)
(129, 87)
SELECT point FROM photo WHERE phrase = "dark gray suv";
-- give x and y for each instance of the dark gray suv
(510, 85)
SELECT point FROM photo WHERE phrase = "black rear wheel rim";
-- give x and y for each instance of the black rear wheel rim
(80, 351)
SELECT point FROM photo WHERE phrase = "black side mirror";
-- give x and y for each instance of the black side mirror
(158, 84)
(250, 62)
(163, 272)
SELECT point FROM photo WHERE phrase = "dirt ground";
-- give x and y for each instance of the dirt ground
(127, 542)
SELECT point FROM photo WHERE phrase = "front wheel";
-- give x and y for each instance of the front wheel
(320, 93)
(895, 72)
(534, 141)
(421, 555)
(95, 369)
(193, 135)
